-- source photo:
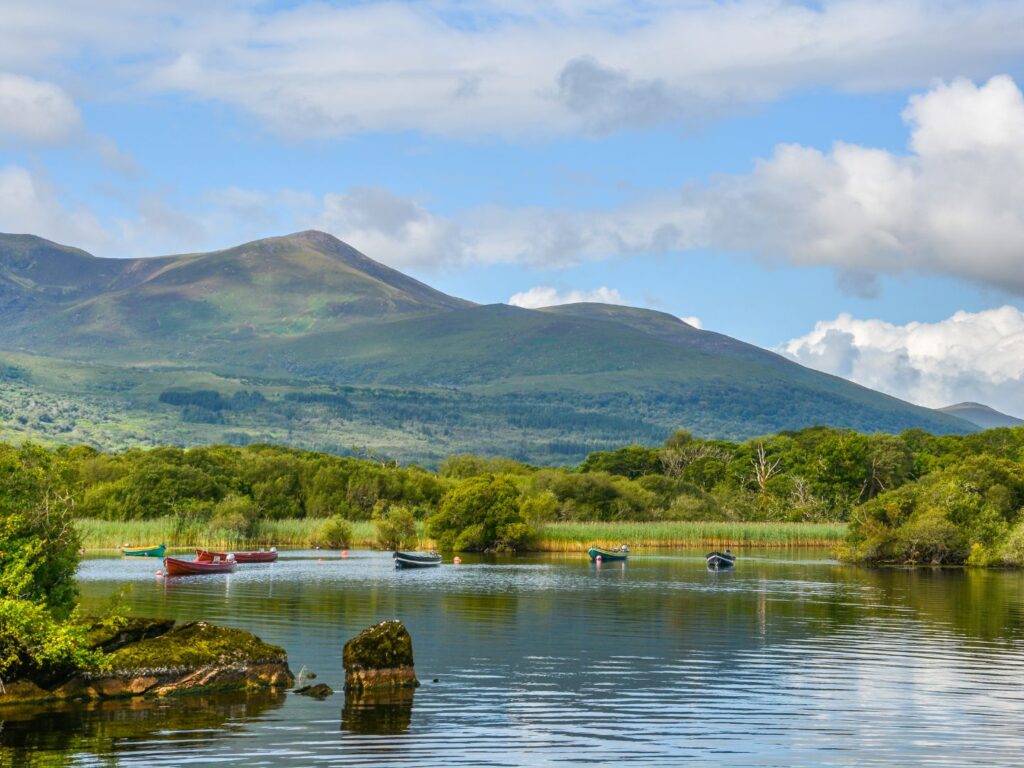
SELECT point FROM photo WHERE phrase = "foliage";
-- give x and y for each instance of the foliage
(36, 645)
(967, 512)
(38, 543)
(480, 514)
(334, 533)
(395, 526)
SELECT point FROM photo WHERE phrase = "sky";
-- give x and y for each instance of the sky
(841, 182)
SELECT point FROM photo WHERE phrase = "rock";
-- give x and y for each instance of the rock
(320, 691)
(196, 657)
(380, 657)
(110, 638)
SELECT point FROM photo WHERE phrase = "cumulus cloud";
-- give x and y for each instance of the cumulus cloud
(693, 320)
(951, 206)
(971, 356)
(528, 68)
(35, 112)
(546, 296)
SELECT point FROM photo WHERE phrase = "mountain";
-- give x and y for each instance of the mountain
(302, 339)
(982, 415)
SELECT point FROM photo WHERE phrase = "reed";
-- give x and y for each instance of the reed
(573, 537)
(554, 537)
(185, 533)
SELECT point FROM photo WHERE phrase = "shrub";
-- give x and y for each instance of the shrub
(334, 533)
(479, 514)
(39, 647)
(395, 526)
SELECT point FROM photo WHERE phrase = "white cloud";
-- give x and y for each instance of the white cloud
(546, 296)
(975, 356)
(524, 68)
(951, 207)
(35, 112)
(694, 321)
(30, 205)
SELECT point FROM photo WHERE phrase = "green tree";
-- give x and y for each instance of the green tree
(480, 514)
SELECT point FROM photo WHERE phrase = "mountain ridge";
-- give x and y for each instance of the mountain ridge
(307, 313)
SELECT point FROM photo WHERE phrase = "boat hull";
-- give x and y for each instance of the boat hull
(606, 555)
(409, 560)
(206, 556)
(157, 551)
(720, 561)
(176, 567)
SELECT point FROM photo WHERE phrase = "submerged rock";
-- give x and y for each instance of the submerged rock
(319, 691)
(380, 657)
(195, 657)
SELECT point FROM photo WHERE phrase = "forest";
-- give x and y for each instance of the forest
(912, 497)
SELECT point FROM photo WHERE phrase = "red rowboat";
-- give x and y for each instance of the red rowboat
(206, 556)
(176, 567)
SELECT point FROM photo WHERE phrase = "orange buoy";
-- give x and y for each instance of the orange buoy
(457, 561)
(598, 559)
(344, 553)
(159, 573)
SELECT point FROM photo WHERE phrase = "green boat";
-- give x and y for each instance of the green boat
(619, 553)
(153, 551)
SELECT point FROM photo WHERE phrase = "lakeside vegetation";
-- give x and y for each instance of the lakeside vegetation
(552, 537)
(908, 498)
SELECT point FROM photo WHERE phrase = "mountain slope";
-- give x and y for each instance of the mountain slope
(982, 415)
(337, 344)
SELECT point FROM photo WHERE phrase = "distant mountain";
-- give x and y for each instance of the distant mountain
(981, 415)
(336, 349)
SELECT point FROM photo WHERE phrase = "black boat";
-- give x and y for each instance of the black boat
(410, 560)
(719, 561)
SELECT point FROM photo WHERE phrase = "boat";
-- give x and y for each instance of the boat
(174, 566)
(263, 556)
(150, 551)
(411, 560)
(719, 561)
(619, 553)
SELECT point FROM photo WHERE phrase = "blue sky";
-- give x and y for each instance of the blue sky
(836, 180)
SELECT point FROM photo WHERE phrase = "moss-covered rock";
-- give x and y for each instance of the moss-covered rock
(195, 657)
(319, 691)
(380, 657)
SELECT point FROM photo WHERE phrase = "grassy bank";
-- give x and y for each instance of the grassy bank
(557, 537)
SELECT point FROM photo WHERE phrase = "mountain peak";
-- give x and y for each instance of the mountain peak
(982, 415)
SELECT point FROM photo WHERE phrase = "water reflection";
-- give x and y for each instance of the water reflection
(382, 713)
(789, 659)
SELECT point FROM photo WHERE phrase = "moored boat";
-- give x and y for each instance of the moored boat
(150, 551)
(263, 556)
(619, 553)
(412, 560)
(719, 561)
(174, 566)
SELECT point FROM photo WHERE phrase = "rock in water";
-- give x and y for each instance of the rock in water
(320, 691)
(380, 657)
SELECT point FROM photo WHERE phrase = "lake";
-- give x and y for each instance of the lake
(791, 659)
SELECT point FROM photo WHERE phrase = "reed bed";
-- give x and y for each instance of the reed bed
(554, 537)
(573, 537)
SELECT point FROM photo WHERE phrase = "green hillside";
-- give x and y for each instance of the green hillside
(303, 340)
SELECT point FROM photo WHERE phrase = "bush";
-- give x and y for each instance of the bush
(396, 527)
(234, 518)
(39, 647)
(334, 533)
(480, 514)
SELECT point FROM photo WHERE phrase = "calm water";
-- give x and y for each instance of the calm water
(789, 660)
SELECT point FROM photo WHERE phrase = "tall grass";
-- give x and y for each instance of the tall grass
(555, 537)
(110, 534)
(572, 537)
